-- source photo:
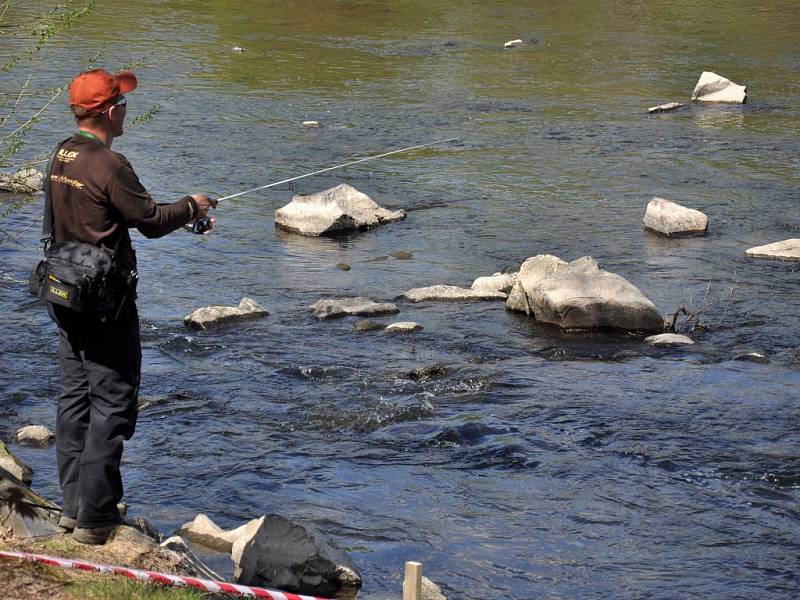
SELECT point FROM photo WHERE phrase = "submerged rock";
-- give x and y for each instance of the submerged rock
(755, 357)
(293, 557)
(668, 339)
(402, 255)
(669, 218)
(214, 315)
(784, 250)
(24, 181)
(15, 466)
(368, 325)
(580, 295)
(342, 266)
(499, 282)
(337, 210)
(665, 107)
(35, 435)
(403, 327)
(715, 88)
(339, 307)
(428, 373)
(24, 513)
(451, 292)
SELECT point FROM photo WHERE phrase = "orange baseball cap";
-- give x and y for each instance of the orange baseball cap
(93, 91)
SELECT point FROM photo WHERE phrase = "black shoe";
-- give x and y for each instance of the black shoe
(67, 523)
(93, 535)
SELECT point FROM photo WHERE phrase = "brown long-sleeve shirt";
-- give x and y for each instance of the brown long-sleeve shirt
(97, 196)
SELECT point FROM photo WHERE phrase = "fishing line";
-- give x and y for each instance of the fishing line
(347, 164)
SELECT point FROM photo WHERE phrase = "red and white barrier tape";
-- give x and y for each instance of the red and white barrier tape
(161, 578)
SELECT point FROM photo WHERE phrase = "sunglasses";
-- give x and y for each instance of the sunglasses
(121, 101)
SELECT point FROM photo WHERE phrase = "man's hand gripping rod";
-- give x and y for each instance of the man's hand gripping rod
(203, 225)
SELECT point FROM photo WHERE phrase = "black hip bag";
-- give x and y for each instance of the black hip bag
(79, 276)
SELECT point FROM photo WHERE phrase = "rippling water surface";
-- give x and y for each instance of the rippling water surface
(522, 463)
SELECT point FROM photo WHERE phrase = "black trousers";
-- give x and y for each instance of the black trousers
(100, 370)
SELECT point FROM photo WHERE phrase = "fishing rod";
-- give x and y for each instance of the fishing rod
(204, 225)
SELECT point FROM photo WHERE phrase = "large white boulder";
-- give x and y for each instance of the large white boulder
(293, 557)
(340, 307)
(785, 250)
(670, 218)
(337, 210)
(214, 315)
(24, 181)
(715, 88)
(452, 292)
(580, 295)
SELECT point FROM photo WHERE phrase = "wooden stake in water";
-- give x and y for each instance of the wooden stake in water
(412, 585)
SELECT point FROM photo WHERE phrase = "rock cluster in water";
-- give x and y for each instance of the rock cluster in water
(340, 209)
(339, 307)
(580, 295)
(36, 435)
(670, 218)
(214, 315)
(24, 181)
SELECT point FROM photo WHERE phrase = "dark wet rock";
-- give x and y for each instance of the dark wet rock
(499, 282)
(24, 181)
(368, 325)
(715, 88)
(451, 293)
(784, 250)
(403, 327)
(14, 466)
(423, 374)
(337, 210)
(342, 266)
(24, 513)
(580, 295)
(665, 107)
(668, 339)
(339, 307)
(669, 218)
(754, 357)
(34, 435)
(145, 527)
(215, 315)
(298, 558)
(402, 255)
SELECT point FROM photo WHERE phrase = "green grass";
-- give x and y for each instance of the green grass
(121, 588)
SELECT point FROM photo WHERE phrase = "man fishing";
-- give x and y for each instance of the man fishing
(96, 197)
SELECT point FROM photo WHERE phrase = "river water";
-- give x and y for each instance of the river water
(534, 464)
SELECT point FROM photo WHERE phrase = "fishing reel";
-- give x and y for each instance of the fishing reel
(203, 226)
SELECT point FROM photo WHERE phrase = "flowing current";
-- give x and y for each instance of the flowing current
(512, 460)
